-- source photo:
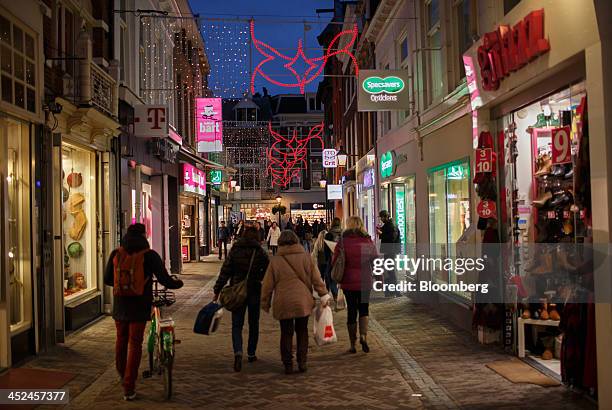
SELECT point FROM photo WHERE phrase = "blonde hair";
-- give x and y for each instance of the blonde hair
(356, 223)
(319, 244)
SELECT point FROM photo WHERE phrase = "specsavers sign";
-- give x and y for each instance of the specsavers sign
(383, 90)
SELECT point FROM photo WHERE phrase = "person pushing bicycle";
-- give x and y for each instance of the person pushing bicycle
(130, 271)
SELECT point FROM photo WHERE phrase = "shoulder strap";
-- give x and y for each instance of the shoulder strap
(295, 272)
(250, 264)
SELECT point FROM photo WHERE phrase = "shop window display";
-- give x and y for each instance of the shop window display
(78, 214)
(449, 212)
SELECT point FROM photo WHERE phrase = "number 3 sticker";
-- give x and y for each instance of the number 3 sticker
(561, 147)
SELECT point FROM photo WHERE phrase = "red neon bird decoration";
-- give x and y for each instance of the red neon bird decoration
(285, 154)
(315, 65)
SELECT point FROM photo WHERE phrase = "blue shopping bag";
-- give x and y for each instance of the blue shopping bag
(208, 319)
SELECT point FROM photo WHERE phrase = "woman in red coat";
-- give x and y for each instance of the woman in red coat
(359, 252)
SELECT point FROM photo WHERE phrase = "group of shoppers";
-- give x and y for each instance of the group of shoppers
(289, 278)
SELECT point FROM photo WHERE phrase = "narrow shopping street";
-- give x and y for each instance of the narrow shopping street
(417, 361)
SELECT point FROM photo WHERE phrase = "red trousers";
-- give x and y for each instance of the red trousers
(128, 351)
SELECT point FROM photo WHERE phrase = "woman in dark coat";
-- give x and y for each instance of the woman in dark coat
(234, 270)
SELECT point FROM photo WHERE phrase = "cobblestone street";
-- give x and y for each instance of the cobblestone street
(417, 361)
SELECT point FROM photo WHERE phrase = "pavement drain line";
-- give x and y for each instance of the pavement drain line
(110, 376)
(416, 376)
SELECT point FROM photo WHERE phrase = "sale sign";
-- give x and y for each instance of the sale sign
(561, 145)
(330, 158)
(209, 124)
(487, 209)
(193, 180)
(484, 160)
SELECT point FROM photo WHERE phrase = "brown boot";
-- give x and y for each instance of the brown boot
(363, 334)
(352, 331)
(552, 313)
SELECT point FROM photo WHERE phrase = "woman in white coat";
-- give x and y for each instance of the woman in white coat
(273, 235)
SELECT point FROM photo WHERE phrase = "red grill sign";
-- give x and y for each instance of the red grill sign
(509, 48)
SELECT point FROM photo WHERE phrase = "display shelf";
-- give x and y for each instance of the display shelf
(521, 331)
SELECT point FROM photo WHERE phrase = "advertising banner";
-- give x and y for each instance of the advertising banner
(383, 90)
(209, 124)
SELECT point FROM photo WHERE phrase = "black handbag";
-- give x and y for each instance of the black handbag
(234, 297)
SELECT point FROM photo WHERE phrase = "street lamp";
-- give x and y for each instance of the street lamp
(342, 157)
(233, 183)
(323, 183)
(237, 188)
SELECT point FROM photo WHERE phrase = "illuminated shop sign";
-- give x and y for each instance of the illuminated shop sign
(387, 164)
(368, 178)
(400, 213)
(330, 158)
(510, 48)
(216, 176)
(193, 180)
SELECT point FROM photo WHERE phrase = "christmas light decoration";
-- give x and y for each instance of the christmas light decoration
(315, 65)
(286, 153)
(227, 47)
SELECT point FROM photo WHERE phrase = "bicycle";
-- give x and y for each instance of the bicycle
(161, 339)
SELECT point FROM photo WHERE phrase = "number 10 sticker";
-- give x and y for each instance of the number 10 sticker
(561, 146)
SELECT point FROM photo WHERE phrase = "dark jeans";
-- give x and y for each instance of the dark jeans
(128, 351)
(299, 326)
(330, 283)
(222, 245)
(356, 303)
(253, 306)
(274, 249)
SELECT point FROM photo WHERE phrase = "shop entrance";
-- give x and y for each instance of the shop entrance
(544, 215)
(16, 308)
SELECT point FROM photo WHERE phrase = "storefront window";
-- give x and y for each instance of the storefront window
(404, 214)
(79, 220)
(449, 211)
(18, 225)
(146, 210)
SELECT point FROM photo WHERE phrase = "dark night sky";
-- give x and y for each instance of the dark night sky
(279, 23)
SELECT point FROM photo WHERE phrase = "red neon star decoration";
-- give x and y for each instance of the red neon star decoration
(285, 154)
(315, 65)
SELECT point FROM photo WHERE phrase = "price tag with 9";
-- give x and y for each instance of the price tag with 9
(561, 145)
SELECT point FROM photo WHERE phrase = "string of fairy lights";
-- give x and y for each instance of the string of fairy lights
(227, 47)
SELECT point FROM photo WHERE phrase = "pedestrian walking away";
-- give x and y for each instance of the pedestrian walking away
(334, 235)
(273, 235)
(318, 254)
(291, 278)
(359, 253)
(130, 270)
(223, 237)
(390, 246)
(234, 270)
(239, 230)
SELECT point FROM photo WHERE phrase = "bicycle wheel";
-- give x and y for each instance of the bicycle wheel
(166, 367)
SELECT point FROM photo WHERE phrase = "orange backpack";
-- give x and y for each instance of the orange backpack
(129, 278)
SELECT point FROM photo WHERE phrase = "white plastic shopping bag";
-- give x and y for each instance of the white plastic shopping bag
(216, 321)
(340, 300)
(324, 332)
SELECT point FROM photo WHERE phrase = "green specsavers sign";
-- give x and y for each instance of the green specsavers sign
(387, 164)
(383, 90)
